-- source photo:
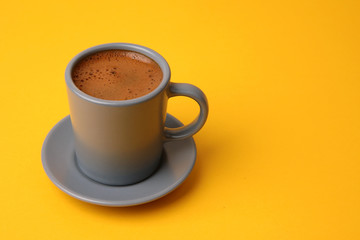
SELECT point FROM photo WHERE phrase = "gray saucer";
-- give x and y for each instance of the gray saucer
(58, 159)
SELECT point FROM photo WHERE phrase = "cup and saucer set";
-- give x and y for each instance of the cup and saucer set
(122, 153)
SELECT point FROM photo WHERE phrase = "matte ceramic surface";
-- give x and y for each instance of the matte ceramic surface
(121, 142)
(58, 158)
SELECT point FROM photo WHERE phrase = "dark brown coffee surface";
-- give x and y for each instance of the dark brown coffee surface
(117, 75)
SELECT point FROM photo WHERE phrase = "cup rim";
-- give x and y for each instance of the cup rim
(164, 66)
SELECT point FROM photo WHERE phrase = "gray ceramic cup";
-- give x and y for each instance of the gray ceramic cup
(121, 142)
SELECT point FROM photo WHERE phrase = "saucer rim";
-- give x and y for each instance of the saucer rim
(118, 203)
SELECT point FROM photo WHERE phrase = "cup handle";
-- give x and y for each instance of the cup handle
(188, 90)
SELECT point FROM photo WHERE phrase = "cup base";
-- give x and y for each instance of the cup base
(120, 181)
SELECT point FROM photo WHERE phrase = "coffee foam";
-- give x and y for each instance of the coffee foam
(117, 75)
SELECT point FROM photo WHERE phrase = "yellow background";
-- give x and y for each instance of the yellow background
(278, 157)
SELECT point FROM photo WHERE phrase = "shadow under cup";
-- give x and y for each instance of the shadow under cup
(120, 142)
